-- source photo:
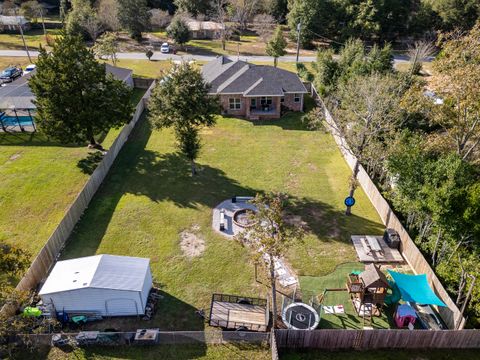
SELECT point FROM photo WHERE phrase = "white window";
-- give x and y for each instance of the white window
(266, 100)
(296, 98)
(235, 103)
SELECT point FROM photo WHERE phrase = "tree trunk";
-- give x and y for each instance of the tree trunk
(356, 169)
(193, 167)
(275, 61)
(274, 292)
(435, 249)
(92, 144)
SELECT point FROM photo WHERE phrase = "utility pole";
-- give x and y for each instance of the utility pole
(21, 33)
(299, 27)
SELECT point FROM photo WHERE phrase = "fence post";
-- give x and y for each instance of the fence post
(273, 345)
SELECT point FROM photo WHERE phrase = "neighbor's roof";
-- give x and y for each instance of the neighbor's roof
(118, 72)
(99, 271)
(239, 77)
(195, 25)
(372, 274)
(12, 20)
(18, 94)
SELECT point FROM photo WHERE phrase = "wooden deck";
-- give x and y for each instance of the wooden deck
(232, 316)
(370, 255)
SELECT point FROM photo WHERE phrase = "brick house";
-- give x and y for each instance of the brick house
(253, 91)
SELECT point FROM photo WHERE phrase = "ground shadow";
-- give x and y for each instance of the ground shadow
(90, 163)
(166, 177)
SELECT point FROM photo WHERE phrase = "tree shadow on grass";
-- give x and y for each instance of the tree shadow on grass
(166, 177)
(90, 163)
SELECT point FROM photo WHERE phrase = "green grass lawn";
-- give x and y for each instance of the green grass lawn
(145, 68)
(163, 352)
(149, 198)
(40, 178)
(33, 38)
(6, 61)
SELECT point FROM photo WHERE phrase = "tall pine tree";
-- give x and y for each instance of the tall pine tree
(134, 16)
(75, 98)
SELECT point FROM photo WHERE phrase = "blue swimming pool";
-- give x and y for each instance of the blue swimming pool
(12, 120)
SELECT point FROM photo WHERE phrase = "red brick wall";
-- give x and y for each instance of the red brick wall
(224, 101)
(291, 104)
(245, 105)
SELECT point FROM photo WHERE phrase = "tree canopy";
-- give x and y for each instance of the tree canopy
(180, 100)
(276, 45)
(178, 31)
(134, 17)
(270, 235)
(75, 98)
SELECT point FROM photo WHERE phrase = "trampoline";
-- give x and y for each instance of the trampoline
(300, 316)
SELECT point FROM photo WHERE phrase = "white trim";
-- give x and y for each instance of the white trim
(255, 84)
(232, 78)
(263, 95)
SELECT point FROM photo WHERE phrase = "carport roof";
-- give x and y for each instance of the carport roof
(99, 271)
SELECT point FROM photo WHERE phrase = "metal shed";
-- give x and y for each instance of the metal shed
(109, 285)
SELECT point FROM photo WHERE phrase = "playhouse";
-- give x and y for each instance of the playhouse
(368, 290)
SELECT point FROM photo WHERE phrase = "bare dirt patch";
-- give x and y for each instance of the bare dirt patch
(191, 242)
(15, 156)
(295, 220)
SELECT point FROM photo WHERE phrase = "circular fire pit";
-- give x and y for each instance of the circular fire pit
(243, 218)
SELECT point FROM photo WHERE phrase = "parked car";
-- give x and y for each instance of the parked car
(29, 69)
(165, 48)
(10, 74)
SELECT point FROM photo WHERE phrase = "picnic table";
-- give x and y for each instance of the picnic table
(373, 243)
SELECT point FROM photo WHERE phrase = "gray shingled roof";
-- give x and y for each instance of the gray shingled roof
(226, 76)
(18, 94)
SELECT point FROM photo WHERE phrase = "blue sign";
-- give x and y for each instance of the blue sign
(349, 201)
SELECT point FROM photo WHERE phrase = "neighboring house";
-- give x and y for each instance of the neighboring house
(12, 23)
(17, 94)
(106, 285)
(205, 29)
(126, 75)
(253, 91)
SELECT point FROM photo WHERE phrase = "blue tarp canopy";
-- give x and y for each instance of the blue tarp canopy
(415, 288)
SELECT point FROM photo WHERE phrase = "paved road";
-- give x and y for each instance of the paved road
(159, 56)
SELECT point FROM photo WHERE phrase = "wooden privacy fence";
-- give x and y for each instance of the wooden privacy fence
(49, 253)
(142, 83)
(332, 339)
(273, 346)
(451, 314)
